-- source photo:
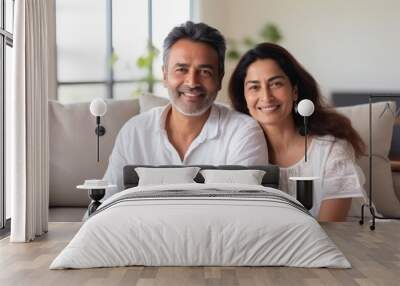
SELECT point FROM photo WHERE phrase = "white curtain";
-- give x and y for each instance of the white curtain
(27, 121)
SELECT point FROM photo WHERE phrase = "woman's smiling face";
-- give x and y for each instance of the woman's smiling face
(269, 93)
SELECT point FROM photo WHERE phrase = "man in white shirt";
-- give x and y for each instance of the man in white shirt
(191, 130)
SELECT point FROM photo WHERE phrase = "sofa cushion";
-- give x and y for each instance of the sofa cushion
(383, 194)
(382, 124)
(73, 155)
(148, 101)
(396, 183)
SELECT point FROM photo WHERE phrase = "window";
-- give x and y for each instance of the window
(6, 43)
(100, 41)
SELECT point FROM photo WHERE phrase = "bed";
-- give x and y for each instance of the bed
(201, 224)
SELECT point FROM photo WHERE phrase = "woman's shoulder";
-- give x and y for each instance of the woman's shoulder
(325, 139)
(335, 146)
(330, 140)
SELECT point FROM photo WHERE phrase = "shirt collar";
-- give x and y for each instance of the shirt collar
(209, 130)
(163, 118)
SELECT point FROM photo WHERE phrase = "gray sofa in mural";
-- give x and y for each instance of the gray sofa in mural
(73, 155)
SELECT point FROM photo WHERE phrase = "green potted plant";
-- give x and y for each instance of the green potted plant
(269, 33)
(144, 63)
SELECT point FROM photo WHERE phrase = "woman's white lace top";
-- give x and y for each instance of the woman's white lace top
(333, 161)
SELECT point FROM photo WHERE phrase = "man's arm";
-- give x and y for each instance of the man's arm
(248, 146)
(116, 163)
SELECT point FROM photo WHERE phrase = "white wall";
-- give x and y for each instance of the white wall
(347, 45)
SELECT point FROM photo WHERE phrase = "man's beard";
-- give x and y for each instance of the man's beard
(200, 109)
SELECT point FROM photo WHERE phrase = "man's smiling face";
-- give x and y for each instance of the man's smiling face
(191, 76)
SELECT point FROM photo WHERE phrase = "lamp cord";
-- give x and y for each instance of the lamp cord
(98, 144)
(305, 138)
(98, 137)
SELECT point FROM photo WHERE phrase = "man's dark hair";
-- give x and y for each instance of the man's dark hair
(197, 32)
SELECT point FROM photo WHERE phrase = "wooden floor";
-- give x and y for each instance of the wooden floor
(375, 257)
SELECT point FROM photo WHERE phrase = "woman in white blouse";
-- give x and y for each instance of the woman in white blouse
(267, 84)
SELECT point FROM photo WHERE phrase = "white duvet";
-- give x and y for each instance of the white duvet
(182, 231)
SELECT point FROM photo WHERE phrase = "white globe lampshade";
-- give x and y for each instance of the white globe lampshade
(98, 107)
(305, 107)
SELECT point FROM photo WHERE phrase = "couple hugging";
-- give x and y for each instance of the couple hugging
(263, 128)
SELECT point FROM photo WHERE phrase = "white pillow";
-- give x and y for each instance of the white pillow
(248, 177)
(163, 176)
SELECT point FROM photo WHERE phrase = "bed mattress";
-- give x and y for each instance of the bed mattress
(201, 225)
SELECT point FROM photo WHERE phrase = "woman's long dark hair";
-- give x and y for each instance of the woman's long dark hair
(324, 121)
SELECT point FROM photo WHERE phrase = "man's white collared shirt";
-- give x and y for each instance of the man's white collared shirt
(227, 138)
